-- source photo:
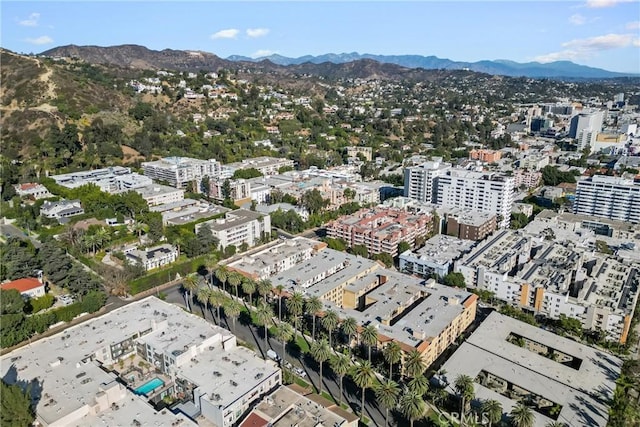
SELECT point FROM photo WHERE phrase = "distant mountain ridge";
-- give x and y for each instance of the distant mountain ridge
(503, 67)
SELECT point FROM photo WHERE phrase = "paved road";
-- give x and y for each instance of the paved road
(254, 336)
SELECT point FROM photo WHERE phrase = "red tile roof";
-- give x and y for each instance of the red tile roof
(22, 285)
(254, 420)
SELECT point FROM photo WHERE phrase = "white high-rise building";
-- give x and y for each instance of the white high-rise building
(419, 181)
(477, 191)
(180, 172)
(608, 197)
(586, 121)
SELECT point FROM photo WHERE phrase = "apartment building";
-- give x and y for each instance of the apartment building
(488, 156)
(556, 278)
(238, 227)
(487, 192)
(113, 180)
(513, 362)
(379, 229)
(265, 165)
(420, 180)
(364, 151)
(471, 225)
(437, 256)
(586, 121)
(527, 179)
(182, 172)
(416, 313)
(608, 197)
(156, 194)
(239, 189)
(88, 376)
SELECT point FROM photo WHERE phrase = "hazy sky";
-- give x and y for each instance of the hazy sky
(599, 33)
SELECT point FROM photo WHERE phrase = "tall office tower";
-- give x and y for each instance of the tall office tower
(586, 121)
(608, 197)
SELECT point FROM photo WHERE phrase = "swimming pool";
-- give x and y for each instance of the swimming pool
(149, 386)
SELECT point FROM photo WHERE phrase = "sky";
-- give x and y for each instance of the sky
(597, 33)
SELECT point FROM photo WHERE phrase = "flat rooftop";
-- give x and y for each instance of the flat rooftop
(442, 249)
(581, 391)
(232, 219)
(156, 190)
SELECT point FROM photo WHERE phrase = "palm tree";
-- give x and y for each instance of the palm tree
(387, 393)
(235, 279)
(414, 364)
(492, 410)
(210, 264)
(364, 377)
(263, 287)
(139, 228)
(392, 354)
(320, 351)
(295, 304)
(221, 275)
(330, 322)
(312, 306)
(464, 387)
(279, 288)
(349, 327)
(103, 236)
(284, 332)
(233, 309)
(340, 365)
(555, 424)
(190, 284)
(419, 385)
(91, 241)
(248, 287)
(521, 416)
(217, 298)
(264, 315)
(369, 337)
(412, 406)
(202, 296)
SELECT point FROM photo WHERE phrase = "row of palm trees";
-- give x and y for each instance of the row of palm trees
(408, 396)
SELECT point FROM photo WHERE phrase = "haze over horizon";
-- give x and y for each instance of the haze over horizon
(597, 33)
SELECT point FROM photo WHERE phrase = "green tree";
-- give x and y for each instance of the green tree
(392, 354)
(464, 387)
(412, 406)
(419, 385)
(369, 337)
(521, 416)
(232, 309)
(264, 315)
(321, 352)
(221, 276)
(295, 305)
(235, 280)
(284, 333)
(330, 322)
(414, 365)
(312, 306)
(492, 410)
(279, 289)
(264, 287)
(218, 299)
(249, 288)
(454, 280)
(340, 365)
(349, 327)
(312, 200)
(190, 284)
(364, 377)
(387, 393)
(16, 406)
(384, 258)
(360, 250)
(403, 246)
(203, 296)
(336, 244)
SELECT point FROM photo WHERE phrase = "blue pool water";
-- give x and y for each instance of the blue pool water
(149, 386)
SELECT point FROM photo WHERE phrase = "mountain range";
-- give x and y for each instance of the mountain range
(555, 69)
(345, 65)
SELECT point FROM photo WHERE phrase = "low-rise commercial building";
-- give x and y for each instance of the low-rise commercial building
(471, 225)
(514, 363)
(380, 230)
